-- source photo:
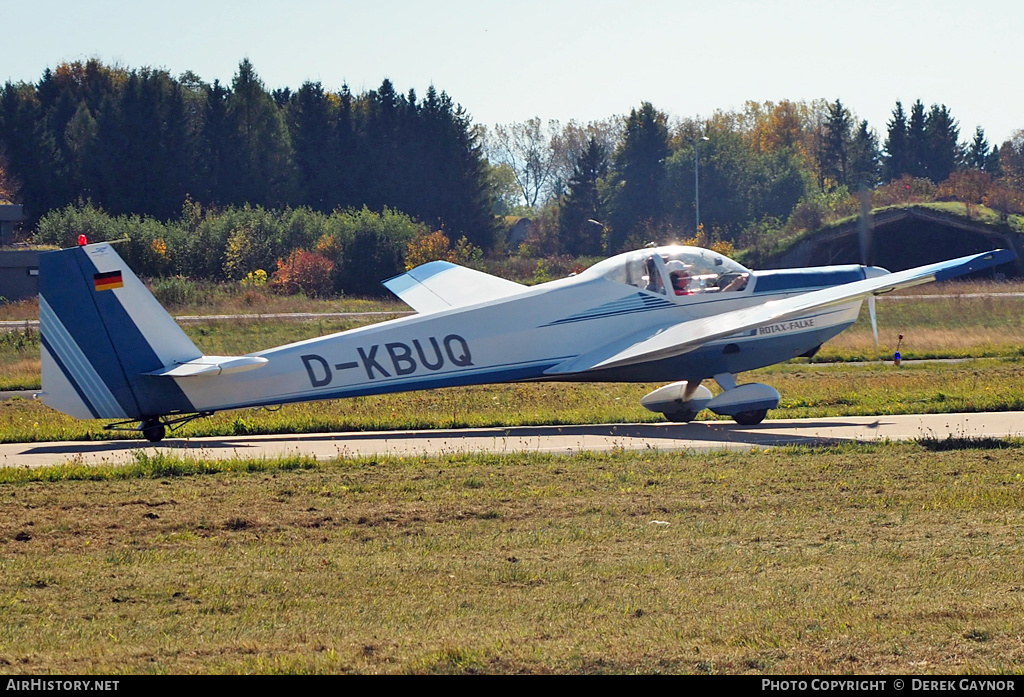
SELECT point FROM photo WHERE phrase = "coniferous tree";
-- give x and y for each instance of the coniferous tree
(380, 146)
(978, 151)
(143, 157)
(917, 141)
(312, 125)
(942, 133)
(833, 156)
(865, 159)
(993, 164)
(583, 205)
(261, 150)
(453, 177)
(29, 148)
(896, 162)
(349, 168)
(640, 172)
(215, 148)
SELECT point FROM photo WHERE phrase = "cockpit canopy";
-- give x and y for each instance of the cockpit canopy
(674, 270)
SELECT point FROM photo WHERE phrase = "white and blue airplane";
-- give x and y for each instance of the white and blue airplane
(666, 314)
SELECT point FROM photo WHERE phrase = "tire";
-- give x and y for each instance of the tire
(683, 416)
(153, 431)
(750, 418)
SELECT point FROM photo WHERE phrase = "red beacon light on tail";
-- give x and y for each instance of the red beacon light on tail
(82, 240)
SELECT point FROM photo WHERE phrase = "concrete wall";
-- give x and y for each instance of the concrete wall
(19, 274)
(10, 215)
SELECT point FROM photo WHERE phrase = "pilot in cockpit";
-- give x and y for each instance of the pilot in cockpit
(679, 273)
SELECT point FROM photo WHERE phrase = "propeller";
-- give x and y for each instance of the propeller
(865, 232)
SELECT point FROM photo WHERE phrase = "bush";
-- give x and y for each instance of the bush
(365, 246)
(303, 271)
(816, 211)
(425, 248)
(904, 190)
(1004, 201)
(178, 291)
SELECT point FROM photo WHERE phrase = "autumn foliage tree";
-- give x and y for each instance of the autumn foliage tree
(968, 186)
(427, 247)
(306, 272)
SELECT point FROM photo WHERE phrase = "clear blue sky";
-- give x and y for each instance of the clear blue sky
(583, 60)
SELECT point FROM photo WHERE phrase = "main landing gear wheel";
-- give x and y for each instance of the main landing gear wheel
(153, 430)
(750, 418)
(683, 416)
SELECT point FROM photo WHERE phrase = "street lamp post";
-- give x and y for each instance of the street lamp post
(696, 179)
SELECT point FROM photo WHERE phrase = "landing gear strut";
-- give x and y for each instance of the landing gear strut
(154, 428)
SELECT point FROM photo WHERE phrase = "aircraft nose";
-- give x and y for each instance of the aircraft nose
(874, 271)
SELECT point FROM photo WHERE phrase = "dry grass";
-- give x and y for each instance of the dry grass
(869, 559)
(858, 343)
(963, 287)
(241, 302)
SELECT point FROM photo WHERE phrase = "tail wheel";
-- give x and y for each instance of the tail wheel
(153, 430)
(750, 418)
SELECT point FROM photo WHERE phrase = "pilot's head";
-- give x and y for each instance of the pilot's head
(678, 272)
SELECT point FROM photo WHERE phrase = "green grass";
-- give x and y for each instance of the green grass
(867, 559)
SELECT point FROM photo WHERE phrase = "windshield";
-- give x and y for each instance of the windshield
(674, 271)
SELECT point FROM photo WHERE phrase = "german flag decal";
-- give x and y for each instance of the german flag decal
(108, 281)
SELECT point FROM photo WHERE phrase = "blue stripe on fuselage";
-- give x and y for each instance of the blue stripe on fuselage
(477, 376)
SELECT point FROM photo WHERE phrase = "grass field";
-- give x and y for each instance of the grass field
(857, 559)
(862, 559)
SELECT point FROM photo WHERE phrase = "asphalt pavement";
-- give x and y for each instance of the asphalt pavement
(697, 437)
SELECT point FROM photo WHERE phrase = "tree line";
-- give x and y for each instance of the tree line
(134, 144)
(768, 170)
(140, 141)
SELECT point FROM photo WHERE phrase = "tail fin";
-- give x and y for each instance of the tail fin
(101, 329)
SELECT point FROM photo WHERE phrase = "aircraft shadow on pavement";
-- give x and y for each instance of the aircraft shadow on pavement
(698, 433)
(119, 445)
(669, 435)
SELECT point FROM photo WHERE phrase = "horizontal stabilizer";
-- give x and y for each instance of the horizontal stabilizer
(210, 365)
(439, 286)
(673, 340)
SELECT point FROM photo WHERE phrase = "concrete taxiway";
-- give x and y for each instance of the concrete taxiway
(698, 436)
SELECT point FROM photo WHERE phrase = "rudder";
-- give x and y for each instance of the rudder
(101, 329)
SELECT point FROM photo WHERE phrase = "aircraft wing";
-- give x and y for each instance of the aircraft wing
(439, 285)
(673, 340)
